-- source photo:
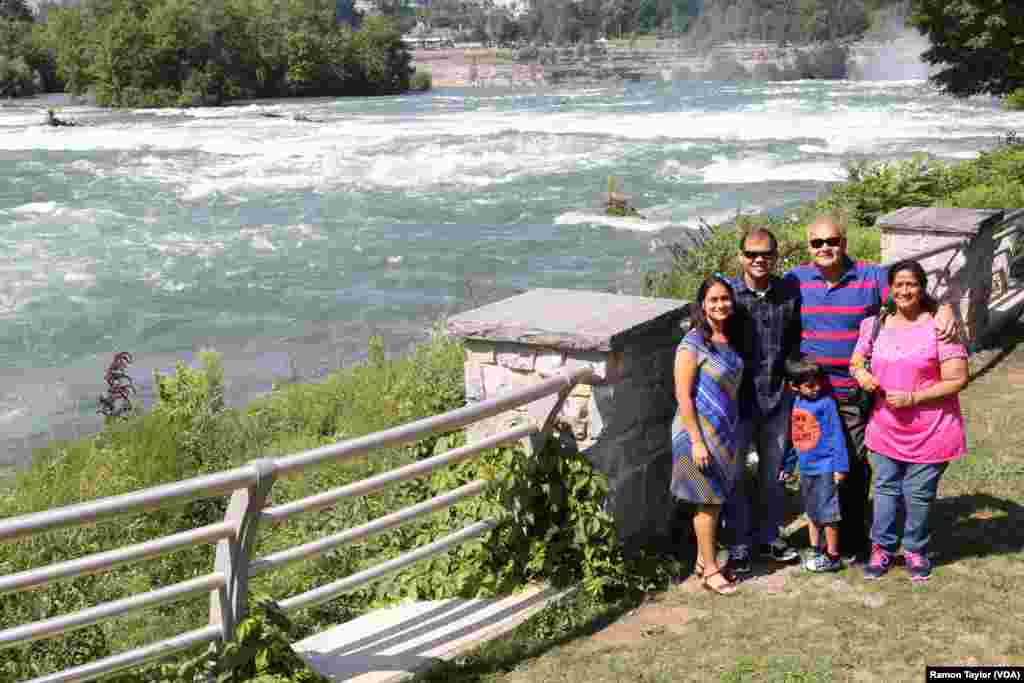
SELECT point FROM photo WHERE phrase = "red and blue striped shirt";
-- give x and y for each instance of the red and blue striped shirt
(830, 316)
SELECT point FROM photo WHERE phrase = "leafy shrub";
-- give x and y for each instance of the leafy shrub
(261, 652)
(16, 77)
(422, 81)
(556, 528)
(1015, 100)
(876, 189)
(1007, 195)
(191, 399)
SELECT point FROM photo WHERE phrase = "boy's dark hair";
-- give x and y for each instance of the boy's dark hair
(802, 369)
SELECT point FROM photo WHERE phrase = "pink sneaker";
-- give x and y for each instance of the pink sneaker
(879, 564)
(919, 566)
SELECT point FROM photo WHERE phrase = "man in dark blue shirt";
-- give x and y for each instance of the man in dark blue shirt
(770, 307)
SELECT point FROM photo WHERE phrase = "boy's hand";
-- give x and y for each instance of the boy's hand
(839, 477)
(785, 476)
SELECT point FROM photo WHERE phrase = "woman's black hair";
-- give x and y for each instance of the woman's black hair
(699, 322)
(928, 302)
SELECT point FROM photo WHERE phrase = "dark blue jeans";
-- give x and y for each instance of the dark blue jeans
(908, 487)
(768, 436)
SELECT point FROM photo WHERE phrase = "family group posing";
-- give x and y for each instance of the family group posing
(846, 367)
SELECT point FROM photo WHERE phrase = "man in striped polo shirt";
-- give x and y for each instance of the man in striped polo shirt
(836, 294)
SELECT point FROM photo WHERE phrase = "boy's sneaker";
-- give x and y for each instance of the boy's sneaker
(779, 551)
(919, 566)
(879, 564)
(739, 559)
(821, 562)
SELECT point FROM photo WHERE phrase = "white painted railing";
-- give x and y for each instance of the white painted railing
(234, 563)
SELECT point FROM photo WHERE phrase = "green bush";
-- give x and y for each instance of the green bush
(16, 78)
(1015, 100)
(1008, 195)
(422, 81)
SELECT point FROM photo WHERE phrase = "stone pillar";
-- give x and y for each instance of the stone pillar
(622, 420)
(963, 277)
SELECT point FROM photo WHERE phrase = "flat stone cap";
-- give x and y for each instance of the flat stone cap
(568, 319)
(929, 219)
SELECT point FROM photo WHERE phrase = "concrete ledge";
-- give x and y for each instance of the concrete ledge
(396, 643)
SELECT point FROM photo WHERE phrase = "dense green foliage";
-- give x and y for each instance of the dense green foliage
(26, 67)
(977, 43)
(186, 52)
(1015, 100)
(994, 180)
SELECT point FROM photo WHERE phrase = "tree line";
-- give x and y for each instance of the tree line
(134, 53)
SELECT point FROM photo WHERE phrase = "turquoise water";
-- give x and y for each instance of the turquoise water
(284, 244)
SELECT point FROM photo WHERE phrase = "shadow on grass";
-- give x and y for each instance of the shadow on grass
(575, 617)
(1009, 338)
(976, 525)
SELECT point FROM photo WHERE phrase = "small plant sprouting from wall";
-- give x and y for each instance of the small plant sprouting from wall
(117, 401)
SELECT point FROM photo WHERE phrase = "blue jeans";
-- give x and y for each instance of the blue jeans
(908, 487)
(768, 435)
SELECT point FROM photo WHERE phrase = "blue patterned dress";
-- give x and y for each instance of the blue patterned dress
(716, 386)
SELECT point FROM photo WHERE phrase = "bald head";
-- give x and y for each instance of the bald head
(826, 240)
(829, 222)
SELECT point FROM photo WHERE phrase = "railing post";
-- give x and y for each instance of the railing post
(228, 605)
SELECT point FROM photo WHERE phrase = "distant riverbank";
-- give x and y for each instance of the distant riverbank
(666, 61)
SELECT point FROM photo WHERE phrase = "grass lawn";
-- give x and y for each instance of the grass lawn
(788, 625)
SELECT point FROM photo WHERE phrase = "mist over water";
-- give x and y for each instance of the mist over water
(285, 244)
(896, 57)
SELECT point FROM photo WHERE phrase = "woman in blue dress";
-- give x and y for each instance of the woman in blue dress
(708, 369)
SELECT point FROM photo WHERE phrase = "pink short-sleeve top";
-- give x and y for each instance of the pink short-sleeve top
(908, 358)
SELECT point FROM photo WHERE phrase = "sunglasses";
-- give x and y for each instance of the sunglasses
(818, 242)
(752, 255)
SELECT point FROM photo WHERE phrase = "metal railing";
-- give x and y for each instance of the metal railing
(235, 536)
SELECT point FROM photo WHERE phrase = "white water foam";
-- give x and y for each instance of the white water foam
(762, 169)
(49, 211)
(237, 150)
(618, 222)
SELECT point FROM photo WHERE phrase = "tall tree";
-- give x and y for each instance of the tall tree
(978, 43)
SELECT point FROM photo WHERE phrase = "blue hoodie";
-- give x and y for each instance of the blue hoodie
(816, 435)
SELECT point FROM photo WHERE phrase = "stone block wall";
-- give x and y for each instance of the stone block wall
(621, 419)
(962, 276)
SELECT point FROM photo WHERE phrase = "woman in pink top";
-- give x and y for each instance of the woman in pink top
(916, 426)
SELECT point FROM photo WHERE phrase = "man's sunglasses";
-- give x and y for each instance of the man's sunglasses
(751, 255)
(818, 242)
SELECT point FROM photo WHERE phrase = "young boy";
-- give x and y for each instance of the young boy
(816, 434)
